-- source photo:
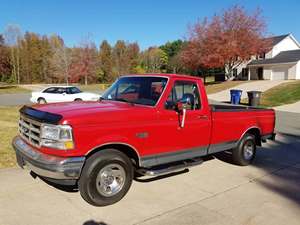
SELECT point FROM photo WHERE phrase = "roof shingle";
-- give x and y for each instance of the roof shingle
(282, 57)
(276, 39)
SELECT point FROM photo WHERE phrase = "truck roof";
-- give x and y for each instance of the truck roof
(169, 75)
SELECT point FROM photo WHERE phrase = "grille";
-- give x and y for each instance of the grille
(30, 130)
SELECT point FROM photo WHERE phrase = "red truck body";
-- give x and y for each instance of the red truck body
(152, 135)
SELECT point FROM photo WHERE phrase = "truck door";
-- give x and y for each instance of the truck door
(191, 139)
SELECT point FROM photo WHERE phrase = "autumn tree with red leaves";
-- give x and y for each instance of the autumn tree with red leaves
(84, 63)
(226, 41)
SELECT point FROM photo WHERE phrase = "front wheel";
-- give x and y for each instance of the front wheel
(106, 177)
(245, 152)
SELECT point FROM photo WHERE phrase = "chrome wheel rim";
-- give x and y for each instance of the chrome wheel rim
(248, 150)
(110, 180)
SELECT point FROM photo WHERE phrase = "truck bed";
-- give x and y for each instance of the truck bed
(230, 122)
(234, 108)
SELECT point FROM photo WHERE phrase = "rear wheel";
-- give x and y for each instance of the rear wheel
(42, 101)
(245, 152)
(106, 177)
(78, 100)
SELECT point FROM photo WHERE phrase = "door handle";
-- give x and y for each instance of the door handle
(203, 117)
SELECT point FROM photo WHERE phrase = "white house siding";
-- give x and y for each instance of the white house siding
(269, 54)
(267, 73)
(298, 71)
(285, 45)
(279, 73)
(292, 72)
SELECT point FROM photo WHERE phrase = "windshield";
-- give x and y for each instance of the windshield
(73, 90)
(137, 90)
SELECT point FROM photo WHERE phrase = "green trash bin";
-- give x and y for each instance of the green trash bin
(254, 98)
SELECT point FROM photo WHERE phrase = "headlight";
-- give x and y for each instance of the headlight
(57, 136)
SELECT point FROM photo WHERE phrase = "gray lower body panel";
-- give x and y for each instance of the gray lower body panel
(159, 159)
(214, 148)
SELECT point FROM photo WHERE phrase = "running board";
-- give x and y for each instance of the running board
(170, 168)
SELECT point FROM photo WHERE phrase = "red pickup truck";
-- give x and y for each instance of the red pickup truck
(142, 125)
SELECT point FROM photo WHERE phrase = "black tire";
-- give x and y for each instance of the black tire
(89, 184)
(78, 100)
(245, 152)
(42, 101)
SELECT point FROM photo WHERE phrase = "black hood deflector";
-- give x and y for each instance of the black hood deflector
(41, 116)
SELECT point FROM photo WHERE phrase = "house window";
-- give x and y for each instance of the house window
(261, 55)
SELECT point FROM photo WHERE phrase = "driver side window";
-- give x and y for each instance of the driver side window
(184, 91)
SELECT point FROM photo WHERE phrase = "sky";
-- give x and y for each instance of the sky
(150, 23)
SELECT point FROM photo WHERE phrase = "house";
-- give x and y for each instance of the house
(282, 62)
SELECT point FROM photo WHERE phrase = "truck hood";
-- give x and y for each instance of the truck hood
(93, 112)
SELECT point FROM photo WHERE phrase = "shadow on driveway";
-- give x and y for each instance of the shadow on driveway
(92, 222)
(281, 161)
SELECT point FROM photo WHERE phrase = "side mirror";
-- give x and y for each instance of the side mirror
(180, 108)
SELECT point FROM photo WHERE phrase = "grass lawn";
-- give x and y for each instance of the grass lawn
(216, 87)
(12, 89)
(94, 87)
(8, 129)
(282, 94)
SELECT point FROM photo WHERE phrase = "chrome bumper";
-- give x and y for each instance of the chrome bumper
(47, 165)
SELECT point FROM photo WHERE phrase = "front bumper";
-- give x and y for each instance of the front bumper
(47, 165)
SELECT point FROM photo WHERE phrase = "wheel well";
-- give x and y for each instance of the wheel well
(127, 150)
(39, 98)
(256, 133)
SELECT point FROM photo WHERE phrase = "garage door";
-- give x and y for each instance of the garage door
(279, 73)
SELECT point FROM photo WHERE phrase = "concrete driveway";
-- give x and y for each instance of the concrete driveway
(260, 85)
(14, 99)
(216, 192)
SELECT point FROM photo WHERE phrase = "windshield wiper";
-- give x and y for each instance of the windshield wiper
(123, 100)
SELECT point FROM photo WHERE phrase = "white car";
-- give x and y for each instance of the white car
(62, 94)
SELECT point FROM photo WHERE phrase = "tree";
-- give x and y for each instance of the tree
(5, 66)
(46, 56)
(227, 40)
(106, 62)
(35, 53)
(12, 36)
(154, 59)
(121, 58)
(133, 53)
(84, 63)
(173, 49)
(61, 59)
